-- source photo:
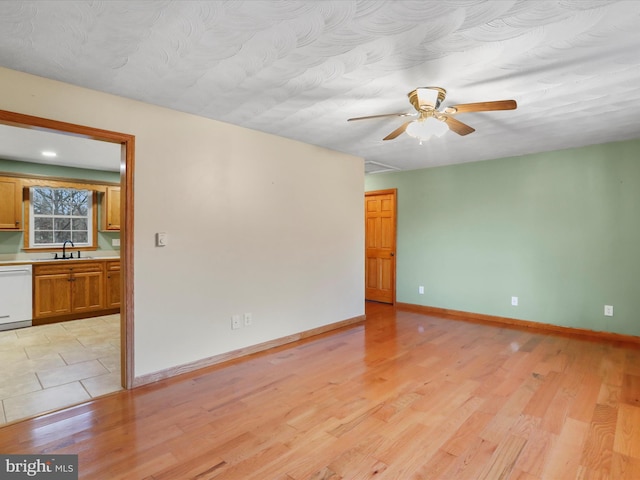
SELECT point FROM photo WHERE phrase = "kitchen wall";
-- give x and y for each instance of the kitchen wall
(560, 230)
(12, 166)
(255, 223)
(11, 243)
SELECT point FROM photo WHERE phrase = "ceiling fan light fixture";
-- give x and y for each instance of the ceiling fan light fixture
(424, 129)
(427, 98)
(431, 121)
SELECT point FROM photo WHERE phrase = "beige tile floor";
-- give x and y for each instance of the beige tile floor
(49, 367)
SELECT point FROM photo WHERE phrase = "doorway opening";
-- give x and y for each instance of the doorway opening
(126, 167)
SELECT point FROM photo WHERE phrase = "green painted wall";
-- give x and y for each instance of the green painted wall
(12, 166)
(12, 242)
(559, 230)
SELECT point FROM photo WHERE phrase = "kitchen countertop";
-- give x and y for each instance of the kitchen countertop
(29, 261)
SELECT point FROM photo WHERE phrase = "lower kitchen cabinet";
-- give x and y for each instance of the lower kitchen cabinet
(112, 295)
(52, 294)
(74, 289)
(87, 291)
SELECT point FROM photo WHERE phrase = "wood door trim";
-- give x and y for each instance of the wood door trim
(127, 143)
(394, 192)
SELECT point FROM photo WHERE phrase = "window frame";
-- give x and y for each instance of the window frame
(93, 228)
(54, 217)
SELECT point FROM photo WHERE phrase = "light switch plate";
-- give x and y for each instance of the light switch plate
(161, 239)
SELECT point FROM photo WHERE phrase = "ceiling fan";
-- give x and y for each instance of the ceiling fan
(431, 121)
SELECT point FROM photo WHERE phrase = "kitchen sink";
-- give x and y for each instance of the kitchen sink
(74, 258)
(49, 259)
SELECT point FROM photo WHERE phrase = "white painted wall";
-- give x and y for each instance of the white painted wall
(256, 223)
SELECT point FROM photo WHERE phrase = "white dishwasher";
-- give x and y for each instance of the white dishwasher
(15, 296)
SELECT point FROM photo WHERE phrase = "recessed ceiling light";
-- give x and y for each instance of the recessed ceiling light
(49, 154)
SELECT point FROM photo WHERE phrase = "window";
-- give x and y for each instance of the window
(60, 214)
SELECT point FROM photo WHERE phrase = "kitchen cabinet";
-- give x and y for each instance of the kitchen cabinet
(69, 288)
(10, 203)
(111, 209)
(112, 283)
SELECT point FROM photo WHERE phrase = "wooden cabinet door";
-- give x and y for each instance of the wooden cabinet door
(87, 291)
(113, 285)
(52, 295)
(111, 209)
(10, 203)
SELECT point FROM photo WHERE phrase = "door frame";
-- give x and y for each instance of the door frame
(127, 156)
(394, 192)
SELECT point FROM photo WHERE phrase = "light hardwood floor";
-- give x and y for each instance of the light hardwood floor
(52, 366)
(402, 396)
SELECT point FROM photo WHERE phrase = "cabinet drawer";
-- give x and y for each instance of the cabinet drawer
(75, 267)
(50, 269)
(113, 266)
(84, 267)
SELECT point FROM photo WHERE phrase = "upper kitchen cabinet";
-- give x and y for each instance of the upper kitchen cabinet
(111, 209)
(11, 203)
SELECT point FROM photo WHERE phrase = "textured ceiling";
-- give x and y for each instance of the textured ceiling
(299, 69)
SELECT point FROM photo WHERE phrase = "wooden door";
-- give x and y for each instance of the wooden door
(112, 295)
(111, 210)
(10, 204)
(52, 295)
(87, 291)
(380, 246)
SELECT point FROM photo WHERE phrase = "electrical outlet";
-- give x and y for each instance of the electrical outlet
(236, 322)
(608, 310)
(248, 319)
(514, 301)
(421, 290)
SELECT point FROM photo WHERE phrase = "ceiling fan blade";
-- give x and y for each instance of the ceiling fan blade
(482, 107)
(381, 116)
(457, 126)
(398, 131)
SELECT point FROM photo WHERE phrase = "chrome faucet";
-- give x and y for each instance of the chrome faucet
(64, 248)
